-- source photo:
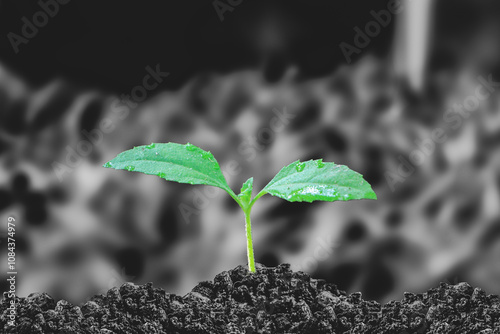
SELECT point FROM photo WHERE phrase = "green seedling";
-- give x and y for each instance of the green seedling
(308, 181)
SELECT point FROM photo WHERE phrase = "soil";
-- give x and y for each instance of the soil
(273, 300)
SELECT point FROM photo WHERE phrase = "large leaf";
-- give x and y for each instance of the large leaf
(315, 180)
(173, 162)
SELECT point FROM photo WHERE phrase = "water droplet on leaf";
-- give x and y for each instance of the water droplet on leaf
(190, 147)
(108, 165)
(150, 146)
(320, 163)
(300, 166)
(162, 175)
(130, 168)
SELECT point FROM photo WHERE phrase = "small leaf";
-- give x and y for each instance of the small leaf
(315, 180)
(246, 191)
(173, 162)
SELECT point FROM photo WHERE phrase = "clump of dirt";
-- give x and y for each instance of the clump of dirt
(273, 300)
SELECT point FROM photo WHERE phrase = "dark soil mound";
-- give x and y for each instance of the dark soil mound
(273, 300)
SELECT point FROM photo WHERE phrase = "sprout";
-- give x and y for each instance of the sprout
(308, 181)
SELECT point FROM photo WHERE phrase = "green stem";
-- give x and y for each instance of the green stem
(247, 208)
(248, 226)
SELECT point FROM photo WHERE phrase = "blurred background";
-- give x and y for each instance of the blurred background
(260, 84)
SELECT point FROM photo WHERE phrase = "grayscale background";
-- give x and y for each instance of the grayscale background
(232, 71)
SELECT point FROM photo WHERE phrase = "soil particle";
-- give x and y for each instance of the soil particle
(272, 300)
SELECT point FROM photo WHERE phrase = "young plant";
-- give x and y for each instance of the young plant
(308, 181)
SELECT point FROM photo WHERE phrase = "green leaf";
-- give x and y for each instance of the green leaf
(315, 180)
(246, 191)
(173, 162)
